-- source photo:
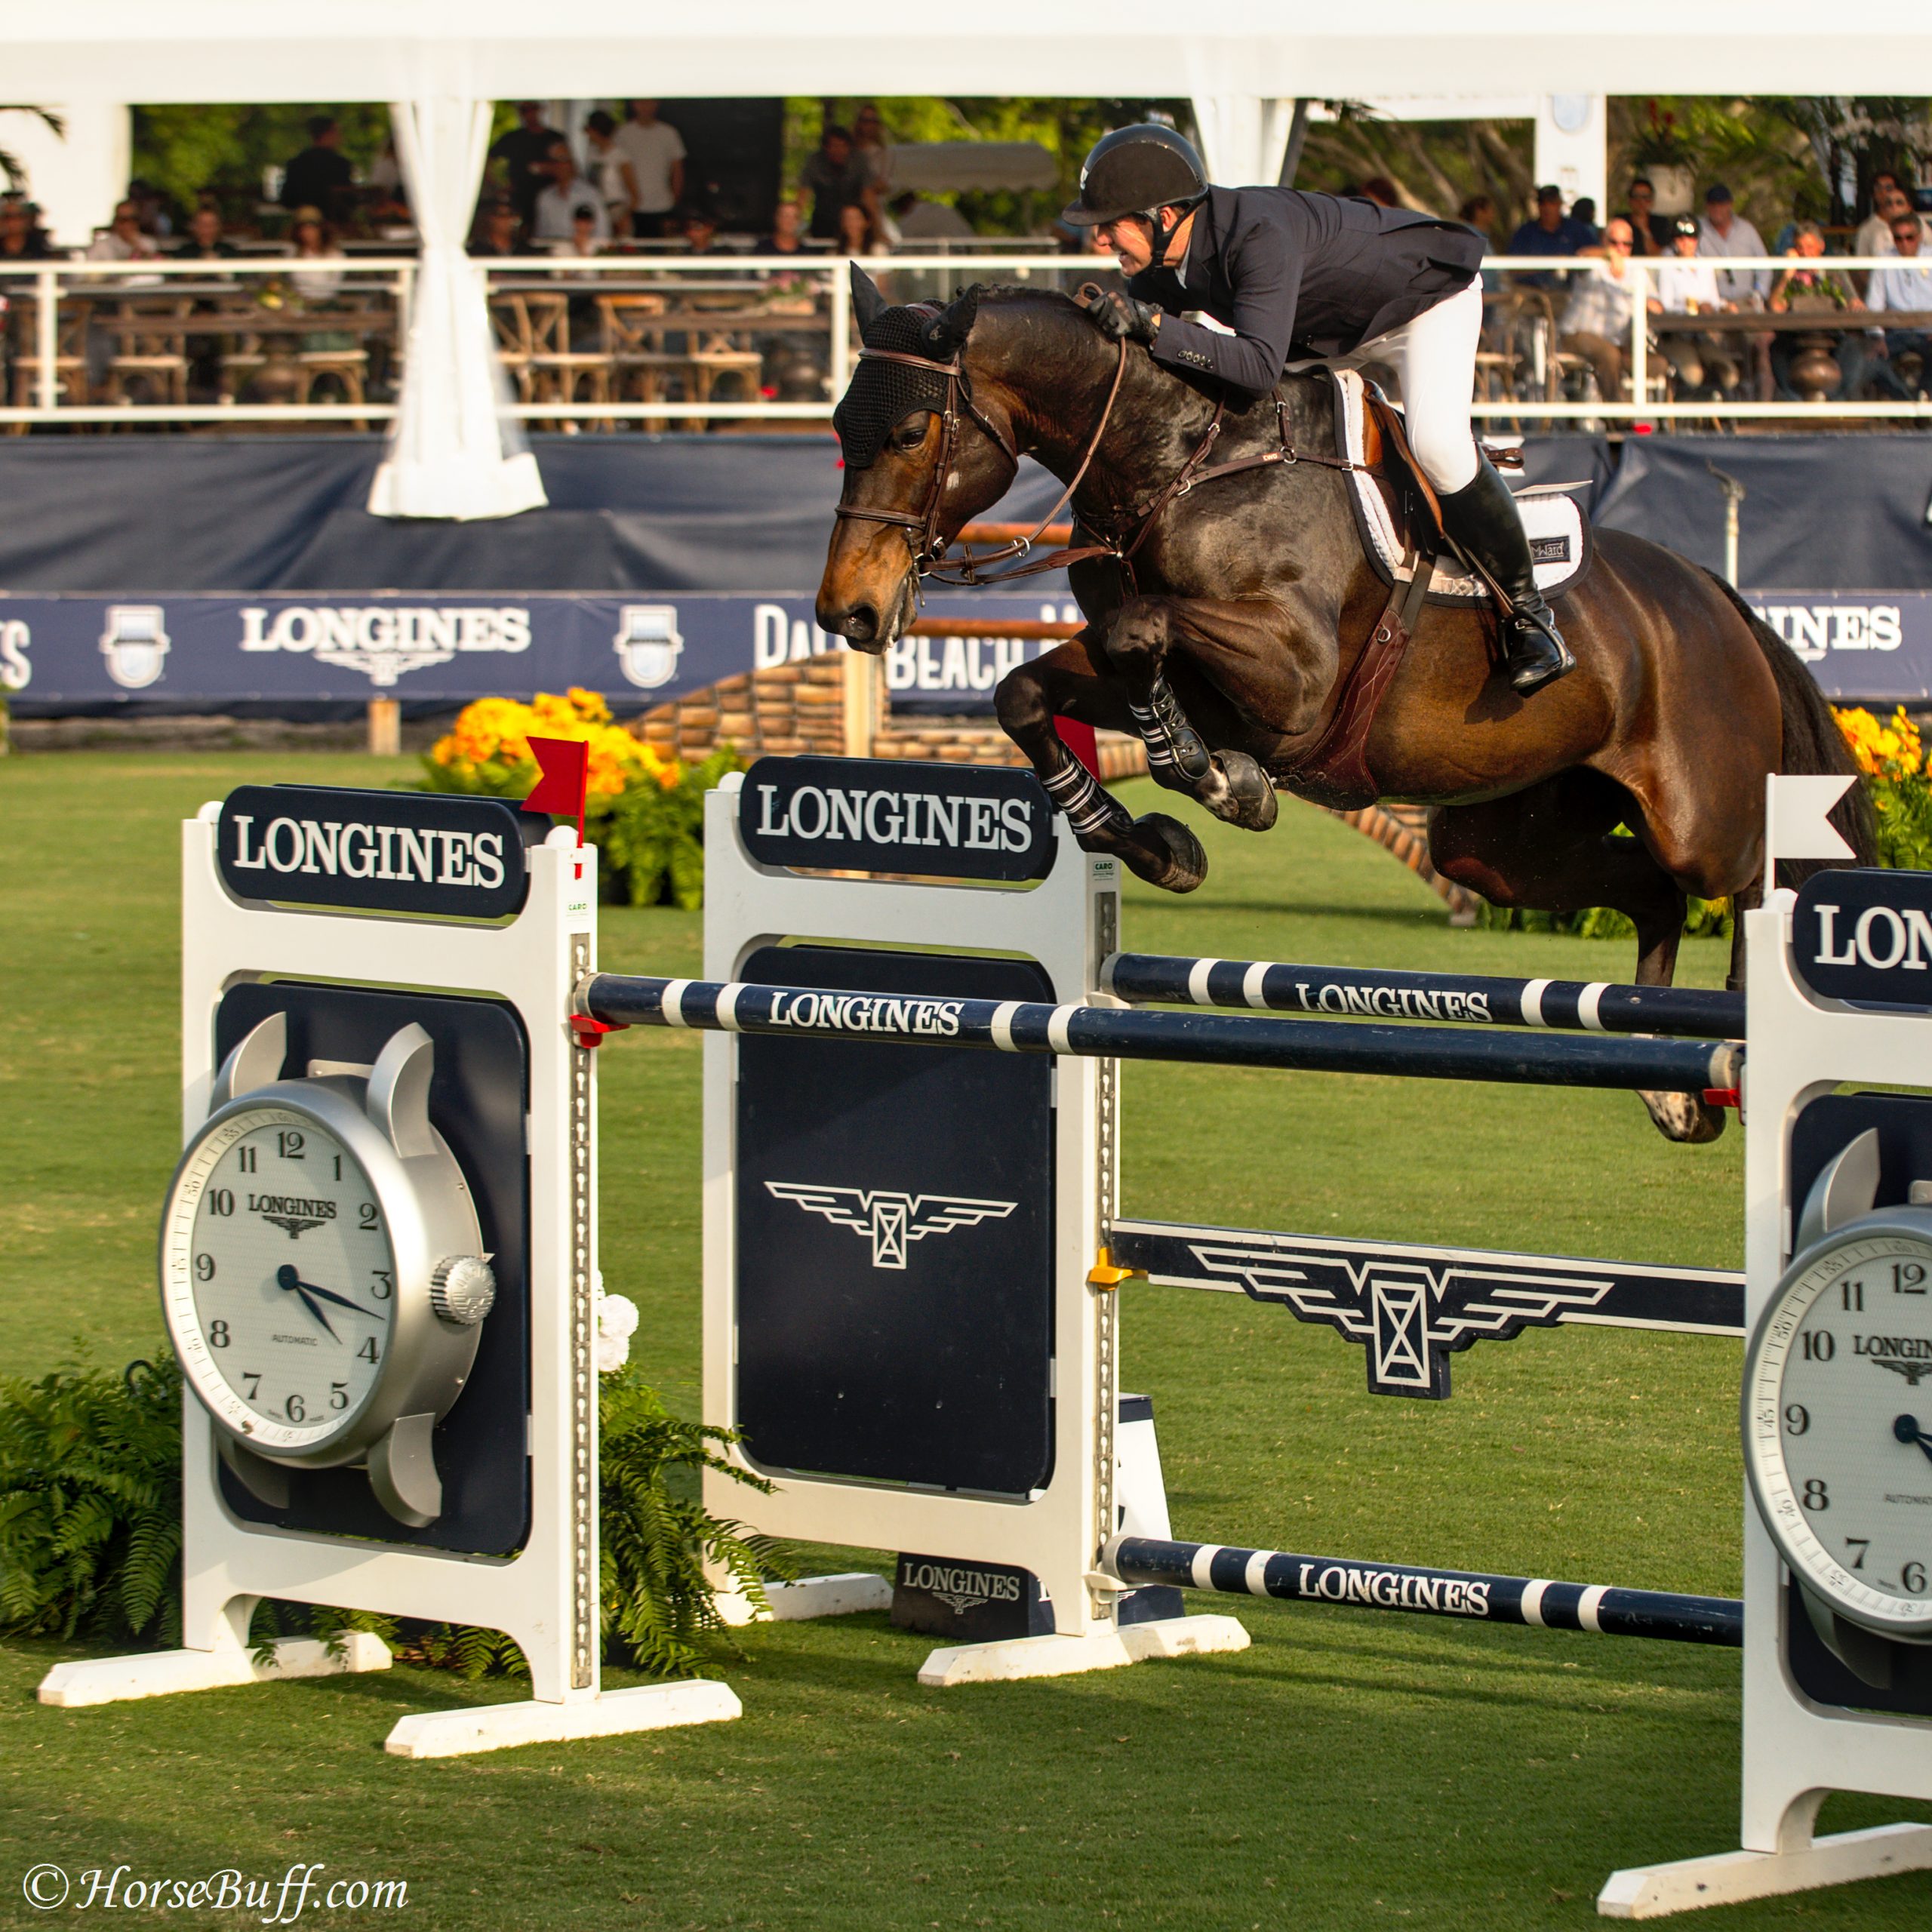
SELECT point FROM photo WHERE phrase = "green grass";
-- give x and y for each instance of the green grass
(1349, 1770)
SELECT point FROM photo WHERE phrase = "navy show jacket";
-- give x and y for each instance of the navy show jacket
(1298, 277)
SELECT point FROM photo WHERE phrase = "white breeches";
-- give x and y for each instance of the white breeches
(1434, 357)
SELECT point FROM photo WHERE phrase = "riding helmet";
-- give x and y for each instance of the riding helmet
(1135, 170)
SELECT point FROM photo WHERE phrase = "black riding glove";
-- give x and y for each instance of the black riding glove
(1119, 316)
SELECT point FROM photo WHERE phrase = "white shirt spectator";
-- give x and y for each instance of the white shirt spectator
(1874, 236)
(1601, 303)
(652, 152)
(1737, 286)
(558, 207)
(1681, 280)
(1901, 286)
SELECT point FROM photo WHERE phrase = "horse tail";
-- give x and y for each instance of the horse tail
(1812, 742)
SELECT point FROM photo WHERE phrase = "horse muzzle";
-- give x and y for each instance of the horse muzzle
(869, 624)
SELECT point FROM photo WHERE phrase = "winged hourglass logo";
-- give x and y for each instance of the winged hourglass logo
(892, 1220)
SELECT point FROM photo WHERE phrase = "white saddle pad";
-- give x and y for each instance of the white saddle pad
(1553, 522)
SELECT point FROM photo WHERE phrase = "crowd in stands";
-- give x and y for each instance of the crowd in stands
(620, 183)
(1594, 309)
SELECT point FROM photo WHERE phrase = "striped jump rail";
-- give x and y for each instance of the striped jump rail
(1603, 1609)
(1576, 1006)
(1680, 1067)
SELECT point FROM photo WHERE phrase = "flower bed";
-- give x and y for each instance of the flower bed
(1893, 762)
(645, 810)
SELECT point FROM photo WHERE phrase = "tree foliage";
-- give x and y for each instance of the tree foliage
(223, 148)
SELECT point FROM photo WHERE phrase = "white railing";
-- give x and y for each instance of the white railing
(34, 361)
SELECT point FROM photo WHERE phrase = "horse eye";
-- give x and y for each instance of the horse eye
(911, 433)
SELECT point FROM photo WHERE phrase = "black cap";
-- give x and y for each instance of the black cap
(1550, 191)
(1716, 191)
(1684, 224)
(1134, 171)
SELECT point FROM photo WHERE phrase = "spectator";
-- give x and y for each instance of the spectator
(554, 218)
(858, 233)
(611, 170)
(498, 231)
(918, 220)
(833, 178)
(525, 153)
(205, 243)
(1596, 319)
(870, 151)
(1583, 214)
(157, 217)
(1801, 290)
(1888, 205)
(1907, 286)
(787, 235)
(1650, 232)
(21, 238)
(1479, 212)
(701, 231)
(122, 240)
(1383, 191)
(1685, 286)
(387, 200)
(1723, 233)
(1551, 233)
(655, 151)
(314, 240)
(320, 177)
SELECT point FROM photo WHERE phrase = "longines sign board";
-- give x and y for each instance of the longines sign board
(202, 652)
(1866, 934)
(872, 815)
(430, 853)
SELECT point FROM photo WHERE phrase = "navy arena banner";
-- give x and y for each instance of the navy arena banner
(202, 652)
(199, 653)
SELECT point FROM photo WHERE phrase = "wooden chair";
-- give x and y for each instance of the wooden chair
(151, 352)
(558, 372)
(347, 368)
(70, 354)
(633, 338)
(509, 322)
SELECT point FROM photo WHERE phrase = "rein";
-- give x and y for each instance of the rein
(969, 571)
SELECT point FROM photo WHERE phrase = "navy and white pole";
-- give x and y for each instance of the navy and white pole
(1681, 1067)
(1471, 1596)
(1577, 1006)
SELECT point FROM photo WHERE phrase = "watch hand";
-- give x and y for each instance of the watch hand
(1907, 1429)
(288, 1280)
(315, 1308)
(309, 1288)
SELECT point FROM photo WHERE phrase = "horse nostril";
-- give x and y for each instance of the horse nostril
(861, 624)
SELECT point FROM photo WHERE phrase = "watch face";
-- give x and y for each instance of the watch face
(277, 1277)
(1838, 1427)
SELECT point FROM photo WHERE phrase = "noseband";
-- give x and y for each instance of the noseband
(922, 528)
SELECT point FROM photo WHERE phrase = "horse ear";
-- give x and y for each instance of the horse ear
(945, 334)
(868, 304)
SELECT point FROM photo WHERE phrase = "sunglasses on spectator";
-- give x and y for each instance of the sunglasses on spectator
(1906, 231)
(1617, 241)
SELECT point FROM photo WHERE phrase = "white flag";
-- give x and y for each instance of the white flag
(1796, 823)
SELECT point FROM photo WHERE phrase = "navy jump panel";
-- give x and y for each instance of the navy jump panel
(894, 1222)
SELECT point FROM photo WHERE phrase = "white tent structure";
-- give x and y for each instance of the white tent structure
(1243, 63)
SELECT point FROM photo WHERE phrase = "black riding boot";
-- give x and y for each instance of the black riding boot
(1481, 520)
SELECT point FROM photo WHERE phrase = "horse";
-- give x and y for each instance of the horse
(1225, 610)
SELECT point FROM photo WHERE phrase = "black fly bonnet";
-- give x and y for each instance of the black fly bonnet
(882, 393)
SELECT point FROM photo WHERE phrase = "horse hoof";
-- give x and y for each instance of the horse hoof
(1683, 1117)
(1176, 862)
(1248, 798)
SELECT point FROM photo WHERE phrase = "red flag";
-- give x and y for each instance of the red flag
(564, 768)
(1079, 738)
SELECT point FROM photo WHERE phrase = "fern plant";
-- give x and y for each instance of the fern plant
(658, 1538)
(90, 1503)
(91, 1529)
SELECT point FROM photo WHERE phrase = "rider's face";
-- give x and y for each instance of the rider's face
(1131, 238)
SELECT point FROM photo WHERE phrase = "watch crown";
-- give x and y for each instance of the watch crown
(463, 1289)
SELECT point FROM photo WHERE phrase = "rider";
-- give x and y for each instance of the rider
(1302, 277)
